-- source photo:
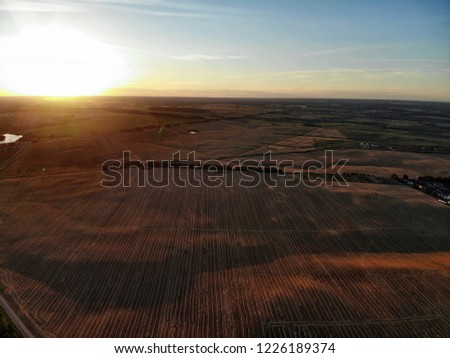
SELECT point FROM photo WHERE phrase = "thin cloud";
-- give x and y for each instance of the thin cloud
(204, 57)
(151, 7)
(189, 57)
(374, 73)
(337, 73)
(41, 6)
(152, 53)
(349, 49)
(409, 60)
(181, 6)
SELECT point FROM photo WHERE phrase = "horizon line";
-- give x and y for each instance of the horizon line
(224, 97)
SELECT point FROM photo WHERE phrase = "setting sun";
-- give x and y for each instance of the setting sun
(55, 61)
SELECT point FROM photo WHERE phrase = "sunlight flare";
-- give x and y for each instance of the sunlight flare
(55, 61)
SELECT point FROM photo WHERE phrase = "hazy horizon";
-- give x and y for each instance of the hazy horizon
(268, 97)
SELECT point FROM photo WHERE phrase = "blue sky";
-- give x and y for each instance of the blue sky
(361, 49)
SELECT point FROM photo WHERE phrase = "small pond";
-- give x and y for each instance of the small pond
(9, 138)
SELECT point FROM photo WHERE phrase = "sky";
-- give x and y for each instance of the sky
(397, 49)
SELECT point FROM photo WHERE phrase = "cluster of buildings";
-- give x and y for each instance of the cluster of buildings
(438, 189)
(368, 145)
(430, 186)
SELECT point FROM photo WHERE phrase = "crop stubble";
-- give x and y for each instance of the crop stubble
(86, 261)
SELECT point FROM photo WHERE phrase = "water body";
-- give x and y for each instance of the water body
(10, 138)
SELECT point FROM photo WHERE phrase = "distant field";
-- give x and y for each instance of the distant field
(367, 260)
(79, 134)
